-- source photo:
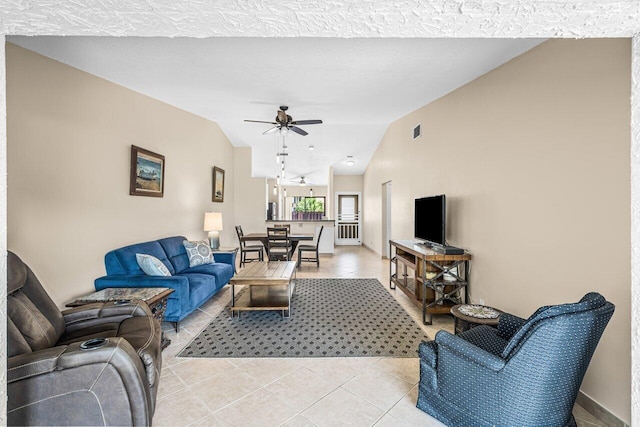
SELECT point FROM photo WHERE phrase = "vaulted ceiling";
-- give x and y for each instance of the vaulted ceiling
(356, 86)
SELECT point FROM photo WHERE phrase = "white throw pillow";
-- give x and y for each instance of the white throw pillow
(152, 266)
(199, 252)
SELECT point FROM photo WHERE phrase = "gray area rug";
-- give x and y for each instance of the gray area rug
(329, 318)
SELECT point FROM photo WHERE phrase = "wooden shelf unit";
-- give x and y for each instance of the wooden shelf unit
(420, 273)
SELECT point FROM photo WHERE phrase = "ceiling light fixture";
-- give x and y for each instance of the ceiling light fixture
(311, 147)
(350, 161)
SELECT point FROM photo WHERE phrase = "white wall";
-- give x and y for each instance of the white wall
(69, 141)
(534, 160)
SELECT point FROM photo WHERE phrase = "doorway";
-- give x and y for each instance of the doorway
(348, 223)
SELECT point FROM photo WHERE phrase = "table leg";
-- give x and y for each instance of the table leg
(233, 300)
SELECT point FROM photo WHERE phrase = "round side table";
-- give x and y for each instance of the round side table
(468, 316)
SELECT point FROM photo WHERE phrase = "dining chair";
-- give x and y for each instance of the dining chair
(279, 245)
(248, 249)
(313, 247)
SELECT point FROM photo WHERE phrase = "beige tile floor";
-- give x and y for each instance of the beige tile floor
(297, 392)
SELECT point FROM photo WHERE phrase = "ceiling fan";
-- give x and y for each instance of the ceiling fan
(285, 122)
(301, 182)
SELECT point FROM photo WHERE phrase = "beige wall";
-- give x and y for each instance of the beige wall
(347, 183)
(251, 195)
(534, 160)
(69, 141)
(296, 190)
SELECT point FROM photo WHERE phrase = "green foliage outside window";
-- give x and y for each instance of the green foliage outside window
(309, 204)
(308, 208)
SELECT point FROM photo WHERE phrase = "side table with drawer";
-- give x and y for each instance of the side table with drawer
(155, 298)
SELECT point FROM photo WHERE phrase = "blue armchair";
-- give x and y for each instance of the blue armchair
(525, 372)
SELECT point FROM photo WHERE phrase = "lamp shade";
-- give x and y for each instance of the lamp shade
(212, 221)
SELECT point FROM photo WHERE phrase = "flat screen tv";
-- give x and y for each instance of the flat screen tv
(430, 215)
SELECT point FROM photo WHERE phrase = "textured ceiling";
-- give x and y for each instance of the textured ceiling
(356, 86)
(339, 18)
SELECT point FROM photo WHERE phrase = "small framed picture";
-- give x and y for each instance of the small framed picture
(218, 184)
(147, 173)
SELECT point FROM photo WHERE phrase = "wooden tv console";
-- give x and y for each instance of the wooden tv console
(434, 281)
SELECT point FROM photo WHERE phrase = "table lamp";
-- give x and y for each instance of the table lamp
(213, 224)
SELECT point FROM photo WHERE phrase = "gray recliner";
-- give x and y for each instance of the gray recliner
(98, 364)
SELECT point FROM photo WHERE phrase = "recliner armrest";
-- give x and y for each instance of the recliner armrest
(464, 349)
(77, 317)
(34, 363)
(67, 374)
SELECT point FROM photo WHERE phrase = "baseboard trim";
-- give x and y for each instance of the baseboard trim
(371, 250)
(599, 411)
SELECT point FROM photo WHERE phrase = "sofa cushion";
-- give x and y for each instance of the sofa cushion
(486, 338)
(34, 321)
(199, 252)
(222, 272)
(201, 287)
(176, 253)
(36, 329)
(152, 266)
(123, 260)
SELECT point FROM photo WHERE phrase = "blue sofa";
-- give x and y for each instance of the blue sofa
(192, 286)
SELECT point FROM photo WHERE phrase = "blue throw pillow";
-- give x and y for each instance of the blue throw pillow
(152, 266)
(199, 252)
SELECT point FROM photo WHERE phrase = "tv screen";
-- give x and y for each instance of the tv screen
(430, 214)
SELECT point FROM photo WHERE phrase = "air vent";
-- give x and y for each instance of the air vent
(416, 132)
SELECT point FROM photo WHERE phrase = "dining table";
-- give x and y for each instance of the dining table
(262, 237)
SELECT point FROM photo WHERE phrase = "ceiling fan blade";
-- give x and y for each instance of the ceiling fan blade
(306, 122)
(298, 130)
(273, 129)
(260, 121)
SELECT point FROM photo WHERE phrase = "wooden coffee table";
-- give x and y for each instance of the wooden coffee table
(271, 285)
